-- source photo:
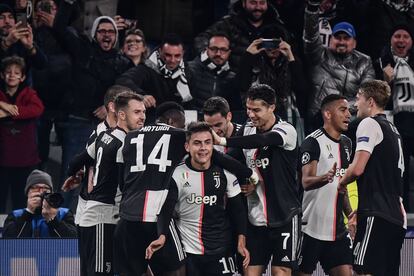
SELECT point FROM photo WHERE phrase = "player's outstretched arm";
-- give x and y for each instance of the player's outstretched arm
(232, 165)
(312, 181)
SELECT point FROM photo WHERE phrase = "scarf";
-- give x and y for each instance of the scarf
(179, 74)
(403, 87)
(216, 69)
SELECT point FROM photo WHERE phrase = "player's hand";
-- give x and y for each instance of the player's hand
(248, 189)
(329, 176)
(241, 248)
(216, 137)
(352, 223)
(73, 181)
(154, 246)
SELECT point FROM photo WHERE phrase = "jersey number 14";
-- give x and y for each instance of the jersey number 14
(155, 157)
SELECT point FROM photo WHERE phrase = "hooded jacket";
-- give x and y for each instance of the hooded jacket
(240, 31)
(331, 73)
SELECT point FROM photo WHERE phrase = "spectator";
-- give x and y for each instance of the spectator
(337, 69)
(19, 108)
(277, 67)
(53, 82)
(17, 39)
(246, 22)
(135, 46)
(96, 65)
(396, 66)
(210, 74)
(41, 218)
(162, 77)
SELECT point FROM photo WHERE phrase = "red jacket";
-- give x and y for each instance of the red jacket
(18, 147)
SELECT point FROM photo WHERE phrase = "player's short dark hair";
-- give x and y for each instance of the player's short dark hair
(262, 92)
(123, 99)
(13, 60)
(378, 90)
(169, 110)
(218, 34)
(329, 99)
(172, 39)
(195, 127)
(113, 92)
(215, 105)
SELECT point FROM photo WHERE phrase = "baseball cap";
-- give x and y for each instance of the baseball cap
(344, 27)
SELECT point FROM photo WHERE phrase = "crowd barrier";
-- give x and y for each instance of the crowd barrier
(50, 257)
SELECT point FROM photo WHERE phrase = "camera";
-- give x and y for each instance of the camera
(271, 43)
(45, 6)
(55, 200)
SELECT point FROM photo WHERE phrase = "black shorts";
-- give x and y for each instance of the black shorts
(210, 265)
(280, 242)
(132, 239)
(96, 249)
(377, 246)
(329, 253)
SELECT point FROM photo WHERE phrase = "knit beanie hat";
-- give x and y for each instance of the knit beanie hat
(98, 21)
(404, 27)
(38, 177)
(6, 8)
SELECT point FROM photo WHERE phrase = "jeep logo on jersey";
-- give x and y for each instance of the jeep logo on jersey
(259, 163)
(340, 172)
(195, 199)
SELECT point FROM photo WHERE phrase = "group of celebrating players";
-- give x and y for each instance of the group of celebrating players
(156, 198)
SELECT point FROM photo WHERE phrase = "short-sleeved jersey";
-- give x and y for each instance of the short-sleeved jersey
(322, 208)
(276, 199)
(201, 215)
(380, 186)
(100, 207)
(150, 156)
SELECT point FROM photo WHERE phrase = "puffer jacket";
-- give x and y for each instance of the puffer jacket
(331, 73)
(241, 32)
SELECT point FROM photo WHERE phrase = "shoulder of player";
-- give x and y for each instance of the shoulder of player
(283, 126)
(368, 125)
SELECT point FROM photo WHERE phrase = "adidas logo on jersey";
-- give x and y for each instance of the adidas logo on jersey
(186, 185)
(208, 200)
(330, 156)
(285, 259)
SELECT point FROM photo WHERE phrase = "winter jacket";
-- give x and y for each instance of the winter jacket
(331, 73)
(241, 32)
(23, 224)
(205, 83)
(18, 147)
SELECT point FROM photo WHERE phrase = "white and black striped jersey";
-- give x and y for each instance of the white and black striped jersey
(83, 193)
(150, 156)
(273, 154)
(236, 128)
(322, 208)
(107, 153)
(380, 186)
(201, 215)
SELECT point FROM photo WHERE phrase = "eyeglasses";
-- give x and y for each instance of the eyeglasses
(103, 32)
(217, 49)
(130, 41)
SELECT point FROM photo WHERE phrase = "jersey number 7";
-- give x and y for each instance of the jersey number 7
(162, 145)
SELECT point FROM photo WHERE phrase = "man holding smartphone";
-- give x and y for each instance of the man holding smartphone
(17, 39)
(271, 61)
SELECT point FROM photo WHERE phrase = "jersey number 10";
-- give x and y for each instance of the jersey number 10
(154, 158)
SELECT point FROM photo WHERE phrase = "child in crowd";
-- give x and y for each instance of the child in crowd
(19, 108)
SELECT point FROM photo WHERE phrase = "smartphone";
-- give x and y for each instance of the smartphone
(22, 17)
(46, 7)
(270, 43)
